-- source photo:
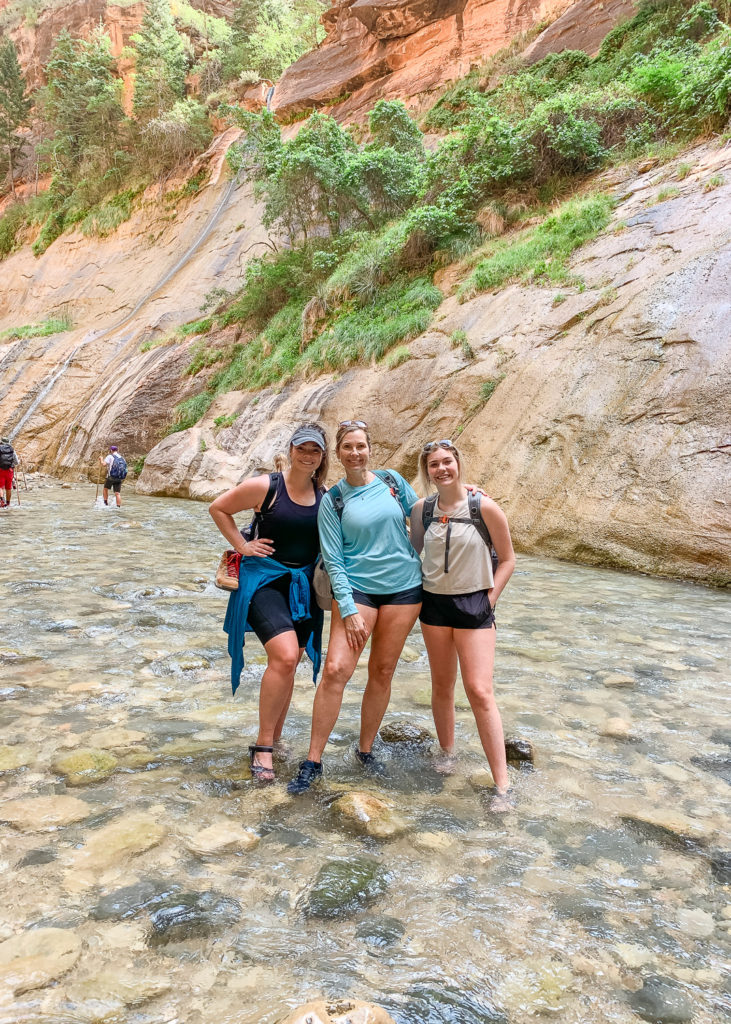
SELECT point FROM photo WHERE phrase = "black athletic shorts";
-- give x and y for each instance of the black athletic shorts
(458, 611)
(411, 596)
(112, 485)
(270, 615)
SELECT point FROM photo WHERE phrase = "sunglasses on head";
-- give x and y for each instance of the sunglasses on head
(354, 423)
(437, 444)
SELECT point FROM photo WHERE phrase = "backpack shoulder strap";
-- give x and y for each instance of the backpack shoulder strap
(473, 503)
(427, 511)
(274, 479)
(336, 497)
(387, 477)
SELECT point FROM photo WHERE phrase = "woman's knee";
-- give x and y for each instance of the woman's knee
(284, 663)
(335, 677)
(380, 672)
(481, 698)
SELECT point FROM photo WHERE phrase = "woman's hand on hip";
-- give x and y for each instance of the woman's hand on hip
(356, 630)
(259, 547)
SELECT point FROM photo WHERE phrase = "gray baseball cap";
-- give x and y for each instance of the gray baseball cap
(304, 434)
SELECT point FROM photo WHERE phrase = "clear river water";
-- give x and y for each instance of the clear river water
(146, 879)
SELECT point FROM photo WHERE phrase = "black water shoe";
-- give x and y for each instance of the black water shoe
(309, 772)
(371, 764)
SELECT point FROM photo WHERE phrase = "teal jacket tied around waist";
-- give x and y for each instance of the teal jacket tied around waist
(253, 574)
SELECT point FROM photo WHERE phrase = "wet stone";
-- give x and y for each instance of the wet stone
(340, 1011)
(406, 733)
(12, 758)
(82, 767)
(519, 751)
(44, 813)
(721, 736)
(721, 866)
(190, 915)
(369, 814)
(37, 957)
(715, 764)
(445, 1005)
(35, 858)
(342, 887)
(381, 931)
(132, 900)
(662, 1001)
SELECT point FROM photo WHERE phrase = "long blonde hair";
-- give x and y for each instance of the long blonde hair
(426, 484)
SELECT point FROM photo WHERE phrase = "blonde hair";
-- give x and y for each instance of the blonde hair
(426, 484)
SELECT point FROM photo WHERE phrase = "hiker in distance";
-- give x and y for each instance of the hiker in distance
(274, 597)
(8, 462)
(376, 581)
(116, 467)
(462, 583)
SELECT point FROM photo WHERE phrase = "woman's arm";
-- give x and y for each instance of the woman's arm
(417, 527)
(497, 524)
(248, 494)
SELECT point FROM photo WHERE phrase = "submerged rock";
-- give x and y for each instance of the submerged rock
(122, 988)
(715, 764)
(37, 957)
(721, 866)
(519, 751)
(380, 931)
(616, 729)
(131, 900)
(12, 758)
(662, 1001)
(44, 813)
(406, 733)
(191, 915)
(344, 1011)
(128, 836)
(82, 767)
(344, 886)
(369, 814)
(222, 837)
(667, 827)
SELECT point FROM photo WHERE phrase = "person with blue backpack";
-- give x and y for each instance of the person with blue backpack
(468, 560)
(116, 467)
(375, 576)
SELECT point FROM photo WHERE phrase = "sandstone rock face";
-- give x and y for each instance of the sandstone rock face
(385, 49)
(604, 439)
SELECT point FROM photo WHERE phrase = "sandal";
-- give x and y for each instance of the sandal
(259, 771)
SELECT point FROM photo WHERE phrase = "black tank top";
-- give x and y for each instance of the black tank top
(292, 527)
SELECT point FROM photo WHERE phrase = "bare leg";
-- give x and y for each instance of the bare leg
(442, 653)
(283, 654)
(339, 665)
(476, 650)
(118, 496)
(285, 709)
(393, 625)
(105, 493)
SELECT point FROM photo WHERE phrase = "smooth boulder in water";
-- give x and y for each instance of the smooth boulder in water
(341, 1011)
(662, 1001)
(519, 751)
(407, 734)
(344, 886)
(380, 931)
(132, 900)
(84, 766)
(191, 915)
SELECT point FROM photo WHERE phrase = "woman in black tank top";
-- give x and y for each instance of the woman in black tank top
(269, 599)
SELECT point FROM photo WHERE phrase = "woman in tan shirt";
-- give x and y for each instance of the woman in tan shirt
(457, 534)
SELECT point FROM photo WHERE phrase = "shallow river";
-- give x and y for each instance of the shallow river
(602, 895)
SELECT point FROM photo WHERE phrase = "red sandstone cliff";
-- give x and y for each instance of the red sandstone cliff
(383, 49)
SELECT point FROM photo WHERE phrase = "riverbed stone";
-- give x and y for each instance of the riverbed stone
(190, 915)
(721, 866)
(537, 987)
(222, 837)
(44, 813)
(618, 679)
(116, 736)
(342, 887)
(666, 825)
(85, 766)
(12, 758)
(37, 957)
(409, 653)
(662, 1001)
(519, 751)
(697, 923)
(127, 836)
(716, 764)
(406, 733)
(122, 987)
(434, 842)
(369, 814)
(342, 1011)
(132, 900)
(380, 930)
(616, 729)
(634, 956)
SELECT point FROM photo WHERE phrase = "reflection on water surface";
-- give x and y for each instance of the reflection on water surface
(147, 880)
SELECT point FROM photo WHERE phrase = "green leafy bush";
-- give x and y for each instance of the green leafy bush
(189, 411)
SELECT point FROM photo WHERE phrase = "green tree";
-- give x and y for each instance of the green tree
(14, 106)
(269, 35)
(160, 64)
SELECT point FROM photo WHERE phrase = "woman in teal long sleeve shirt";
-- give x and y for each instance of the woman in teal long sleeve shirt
(376, 579)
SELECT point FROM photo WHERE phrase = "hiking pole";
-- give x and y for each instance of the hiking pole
(98, 481)
(17, 488)
(20, 467)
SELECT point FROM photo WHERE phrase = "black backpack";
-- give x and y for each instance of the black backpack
(336, 495)
(473, 503)
(7, 456)
(252, 530)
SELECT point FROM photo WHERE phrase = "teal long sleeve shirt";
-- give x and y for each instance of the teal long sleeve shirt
(369, 550)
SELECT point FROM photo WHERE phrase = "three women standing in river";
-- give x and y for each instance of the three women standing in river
(376, 578)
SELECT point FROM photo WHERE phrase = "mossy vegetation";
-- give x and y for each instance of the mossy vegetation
(51, 325)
